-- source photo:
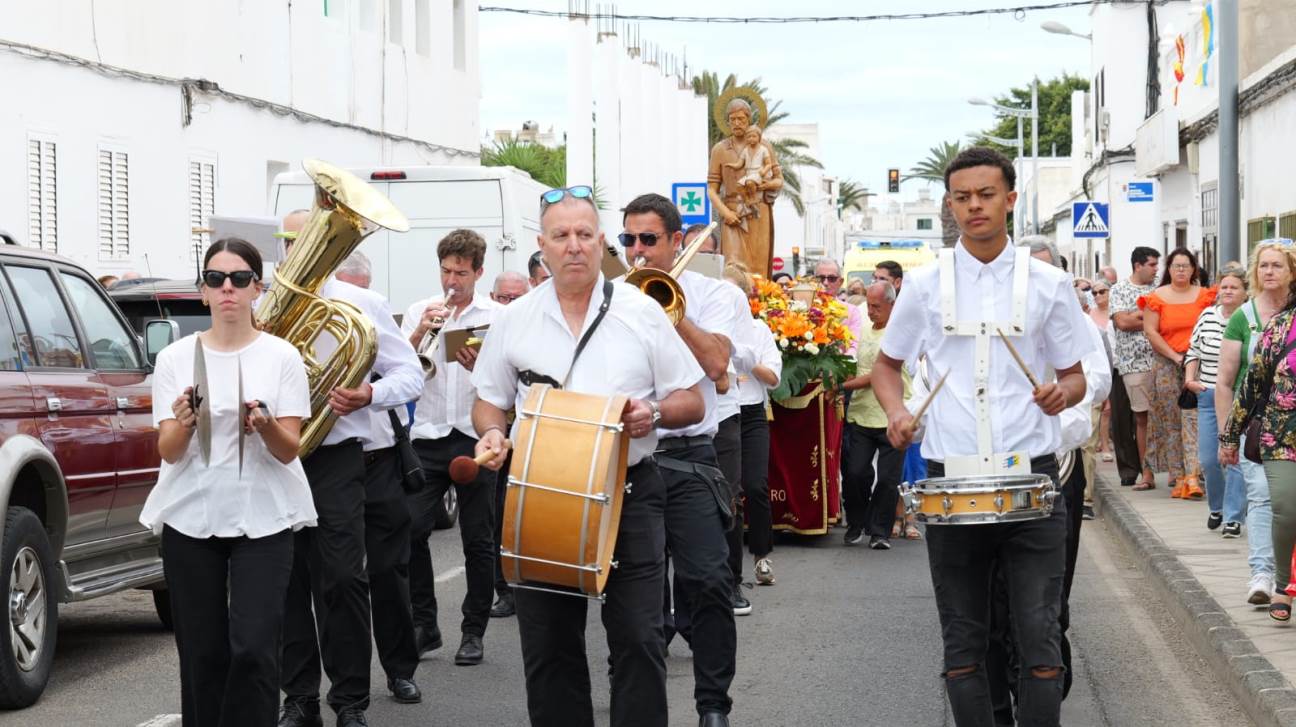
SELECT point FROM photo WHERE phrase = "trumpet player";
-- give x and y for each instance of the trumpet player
(442, 431)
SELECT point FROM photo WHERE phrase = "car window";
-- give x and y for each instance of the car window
(12, 358)
(112, 347)
(52, 335)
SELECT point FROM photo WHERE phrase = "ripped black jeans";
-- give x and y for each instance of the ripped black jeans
(1032, 557)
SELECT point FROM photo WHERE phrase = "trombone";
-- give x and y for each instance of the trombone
(663, 286)
(429, 338)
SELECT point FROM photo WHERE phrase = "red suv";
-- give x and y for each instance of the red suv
(78, 457)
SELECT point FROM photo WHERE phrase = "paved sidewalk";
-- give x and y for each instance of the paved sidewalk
(1204, 580)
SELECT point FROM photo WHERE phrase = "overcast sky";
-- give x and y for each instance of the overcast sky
(882, 93)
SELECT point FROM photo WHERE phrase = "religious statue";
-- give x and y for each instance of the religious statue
(743, 180)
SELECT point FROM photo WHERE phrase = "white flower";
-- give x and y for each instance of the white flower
(812, 349)
(809, 335)
(783, 343)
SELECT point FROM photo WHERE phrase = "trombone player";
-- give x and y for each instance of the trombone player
(442, 431)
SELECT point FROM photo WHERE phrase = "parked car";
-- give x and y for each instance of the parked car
(78, 457)
(179, 300)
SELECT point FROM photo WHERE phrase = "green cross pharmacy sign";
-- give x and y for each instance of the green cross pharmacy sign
(692, 202)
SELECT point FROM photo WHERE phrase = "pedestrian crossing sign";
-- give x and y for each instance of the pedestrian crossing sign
(1090, 220)
(691, 200)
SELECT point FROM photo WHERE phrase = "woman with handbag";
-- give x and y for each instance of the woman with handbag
(1271, 276)
(1225, 491)
(1169, 314)
(228, 403)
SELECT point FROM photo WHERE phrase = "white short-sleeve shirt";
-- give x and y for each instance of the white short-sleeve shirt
(1055, 336)
(212, 500)
(761, 339)
(634, 352)
(715, 306)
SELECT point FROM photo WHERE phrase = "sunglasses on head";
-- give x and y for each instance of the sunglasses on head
(240, 278)
(554, 196)
(647, 238)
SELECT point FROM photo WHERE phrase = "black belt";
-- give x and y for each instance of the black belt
(374, 455)
(672, 443)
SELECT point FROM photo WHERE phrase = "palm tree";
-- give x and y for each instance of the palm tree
(932, 169)
(850, 195)
(788, 152)
(545, 165)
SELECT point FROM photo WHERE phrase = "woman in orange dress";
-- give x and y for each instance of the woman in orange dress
(1169, 314)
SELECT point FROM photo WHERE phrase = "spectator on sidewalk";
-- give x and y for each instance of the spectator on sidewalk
(890, 271)
(869, 507)
(1273, 268)
(1100, 314)
(1133, 356)
(1108, 273)
(1225, 492)
(1169, 314)
(1268, 392)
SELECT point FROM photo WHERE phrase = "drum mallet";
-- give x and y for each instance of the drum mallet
(1017, 357)
(463, 470)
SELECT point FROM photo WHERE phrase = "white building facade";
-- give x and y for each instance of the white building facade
(140, 120)
(819, 232)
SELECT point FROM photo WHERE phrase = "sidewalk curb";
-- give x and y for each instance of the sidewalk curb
(1266, 695)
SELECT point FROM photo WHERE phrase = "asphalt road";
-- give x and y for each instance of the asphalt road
(849, 636)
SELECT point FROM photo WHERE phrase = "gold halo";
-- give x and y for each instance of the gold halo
(746, 93)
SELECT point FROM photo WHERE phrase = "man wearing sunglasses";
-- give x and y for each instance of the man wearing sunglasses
(630, 349)
(699, 504)
(352, 566)
(828, 274)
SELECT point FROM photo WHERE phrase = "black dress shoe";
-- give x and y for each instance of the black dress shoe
(404, 691)
(713, 719)
(426, 640)
(300, 712)
(504, 606)
(355, 717)
(470, 651)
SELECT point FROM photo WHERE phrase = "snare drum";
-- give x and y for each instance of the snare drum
(981, 500)
(562, 507)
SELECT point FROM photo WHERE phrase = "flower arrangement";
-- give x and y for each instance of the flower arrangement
(813, 336)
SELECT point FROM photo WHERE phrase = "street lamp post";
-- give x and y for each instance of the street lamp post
(1052, 26)
(1033, 114)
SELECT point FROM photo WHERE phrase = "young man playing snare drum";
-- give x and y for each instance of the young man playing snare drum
(989, 420)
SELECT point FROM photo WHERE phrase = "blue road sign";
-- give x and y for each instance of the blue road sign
(692, 201)
(1090, 220)
(1139, 192)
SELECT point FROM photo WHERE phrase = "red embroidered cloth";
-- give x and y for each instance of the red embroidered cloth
(805, 463)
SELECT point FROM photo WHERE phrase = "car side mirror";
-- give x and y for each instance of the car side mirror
(158, 334)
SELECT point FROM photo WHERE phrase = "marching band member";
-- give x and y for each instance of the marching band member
(329, 562)
(442, 431)
(987, 420)
(226, 516)
(698, 502)
(597, 337)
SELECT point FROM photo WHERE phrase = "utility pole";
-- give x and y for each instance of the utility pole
(1035, 180)
(1230, 208)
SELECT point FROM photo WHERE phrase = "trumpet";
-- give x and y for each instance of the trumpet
(663, 286)
(429, 338)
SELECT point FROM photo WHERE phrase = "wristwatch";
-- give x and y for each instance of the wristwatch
(656, 410)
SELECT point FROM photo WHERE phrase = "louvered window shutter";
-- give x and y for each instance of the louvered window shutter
(114, 204)
(42, 194)
(202, 205)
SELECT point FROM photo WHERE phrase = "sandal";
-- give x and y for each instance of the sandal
(895, 530)
(1279, 611)
(1144, 486)
(911, 532)
(1107, 456)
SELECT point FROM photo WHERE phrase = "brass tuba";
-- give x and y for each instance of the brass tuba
(346, 211)
(664, 287)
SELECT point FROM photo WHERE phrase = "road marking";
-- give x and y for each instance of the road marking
(162, 720)
(448, 575)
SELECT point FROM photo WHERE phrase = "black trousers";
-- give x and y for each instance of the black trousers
(868, 506)
(387, 544)
(754, 502)
(329, 572)
(1123, 432)
(697, 539)
(728, 447)
(1031, 555)
(552, 626)
(227, 604)
(501, 489)
(476, 531)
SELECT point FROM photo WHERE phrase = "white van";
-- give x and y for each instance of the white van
(500, 203)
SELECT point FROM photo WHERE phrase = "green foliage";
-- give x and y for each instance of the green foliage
(801, 369)
(789, 152)
(851, 195)
(932, 170)
(546, 166)
(1054, 116)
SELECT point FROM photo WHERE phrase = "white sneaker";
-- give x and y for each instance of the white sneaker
(764, 572)
(1260, 590)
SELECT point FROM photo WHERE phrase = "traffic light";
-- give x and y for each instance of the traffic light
(796, 261)
(893, 181)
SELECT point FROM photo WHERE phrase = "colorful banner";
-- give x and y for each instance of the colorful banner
(805, 463)
(1208, 45)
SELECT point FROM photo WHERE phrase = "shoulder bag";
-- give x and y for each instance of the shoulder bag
(1251, 450)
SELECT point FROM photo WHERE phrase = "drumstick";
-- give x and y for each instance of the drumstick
(1017, 357)
(922, 408)
(463, 470)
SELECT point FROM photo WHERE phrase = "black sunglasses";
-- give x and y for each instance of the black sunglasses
(827, 278)
(240, 278)
(647, 238)
(554, 196)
